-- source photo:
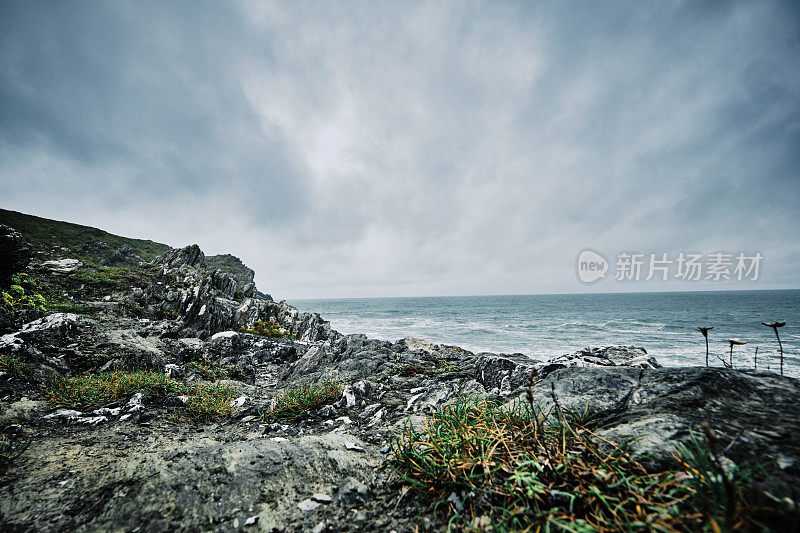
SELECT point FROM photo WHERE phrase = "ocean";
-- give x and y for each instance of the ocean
(543, 326)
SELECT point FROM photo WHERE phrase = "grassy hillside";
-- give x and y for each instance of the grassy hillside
(110, 262)
(83, 242)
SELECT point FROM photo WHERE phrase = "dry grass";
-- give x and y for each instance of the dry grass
(211, 371)
(528, 470)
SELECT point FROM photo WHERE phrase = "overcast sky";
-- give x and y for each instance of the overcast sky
(403, 149)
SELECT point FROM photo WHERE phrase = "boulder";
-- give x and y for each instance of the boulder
(657, 410)
(631, 356)
(191, 256)
(62, 266)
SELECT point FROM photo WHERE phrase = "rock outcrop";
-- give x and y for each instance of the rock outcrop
(15, 253)
(205, 301)
(138, 463)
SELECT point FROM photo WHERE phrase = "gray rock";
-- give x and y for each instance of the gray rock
(15, 253)
(190, 256)
(352, 492)
(631, 356)
(308, 505)
(234, 267)
(59, 324)
(659, 409)
(353, 447)
(62, 266)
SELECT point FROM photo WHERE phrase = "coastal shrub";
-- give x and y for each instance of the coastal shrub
(211, 400)
(521, 469)
(13, 365)
(268, 328)
(20, 294)
(442, 367)
(95, 389)
(297, 403)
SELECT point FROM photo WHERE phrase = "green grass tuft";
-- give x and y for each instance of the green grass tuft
(295, 404)
(95, 389)
(205, 401)
(13, 365)
(717, 485)
(211, 371)
(528, 469)
(211, 400)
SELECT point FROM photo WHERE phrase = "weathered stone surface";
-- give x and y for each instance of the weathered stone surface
(659, 409)
(62, 266)
(56, 323)
(138, 463)
(120, 256)
(233, 266)
(169, 478)
(190, 256)
(15, 253)
(633, 356)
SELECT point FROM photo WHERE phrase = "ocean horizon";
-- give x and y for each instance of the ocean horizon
(542, 326)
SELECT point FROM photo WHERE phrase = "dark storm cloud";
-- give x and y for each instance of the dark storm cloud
(150, 94)
(370, 149)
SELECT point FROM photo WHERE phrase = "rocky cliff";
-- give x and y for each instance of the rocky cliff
(157, 462)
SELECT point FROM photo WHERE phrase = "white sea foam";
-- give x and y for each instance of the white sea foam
(546, 326)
